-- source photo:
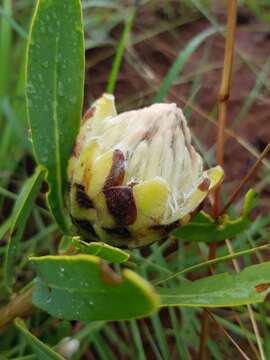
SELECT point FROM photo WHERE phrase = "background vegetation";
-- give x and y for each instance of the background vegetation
(156, 36)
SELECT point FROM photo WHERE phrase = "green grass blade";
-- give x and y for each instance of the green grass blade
(214, 261)
(262, 76)
(42, 350)
(6, 16)
(5, 49)
(160, 336)
(179, 63)
(119, 52)
(138, 340)
(21, 212)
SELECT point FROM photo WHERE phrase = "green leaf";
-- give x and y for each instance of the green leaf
(20, 214)
(102, 250)
(248, 287)
(179, 63)
(42, 350)
(204, 229)
(55, 78)
(83, 287)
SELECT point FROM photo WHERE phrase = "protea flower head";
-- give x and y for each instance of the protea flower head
(135, 176)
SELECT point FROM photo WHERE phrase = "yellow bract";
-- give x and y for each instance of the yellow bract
(151, 199)
(82, 168)
(104, 107)
(215, 175)
(104, 217)
(101, 169)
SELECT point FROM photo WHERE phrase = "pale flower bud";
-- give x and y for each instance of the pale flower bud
(134, 176)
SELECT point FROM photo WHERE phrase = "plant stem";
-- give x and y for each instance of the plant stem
(19, 306)
(224, 94)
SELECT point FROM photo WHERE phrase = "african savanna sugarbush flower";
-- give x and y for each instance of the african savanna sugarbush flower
(135, 176)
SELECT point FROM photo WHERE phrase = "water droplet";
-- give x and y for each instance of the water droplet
(72, 99)
(45, 64)
(30, 88)
(61, 90)
(61, 271)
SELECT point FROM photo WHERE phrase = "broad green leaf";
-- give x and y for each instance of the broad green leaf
(102, 250)
(22, 209)
(179, 63)
(42, 350)
(203, 228)
(55, 78)
(250, 286)
(83, 287)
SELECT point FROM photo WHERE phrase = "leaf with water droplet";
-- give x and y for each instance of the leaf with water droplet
(83, 293)
(55, 53)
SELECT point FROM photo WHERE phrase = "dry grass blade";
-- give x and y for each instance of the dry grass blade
(241, 351)
(245, 179)
(19, 306)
